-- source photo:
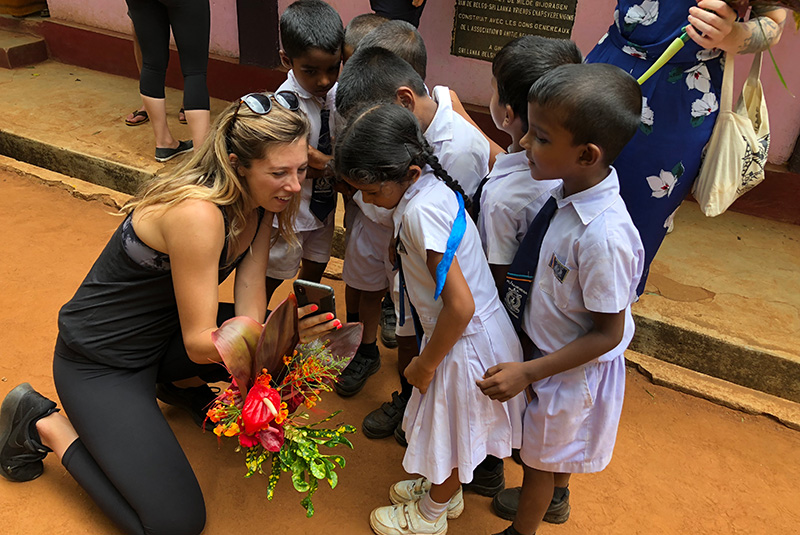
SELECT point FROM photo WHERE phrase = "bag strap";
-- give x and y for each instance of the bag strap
(755, 70)
(726, 95)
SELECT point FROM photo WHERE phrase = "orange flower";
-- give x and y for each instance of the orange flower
(283, 412)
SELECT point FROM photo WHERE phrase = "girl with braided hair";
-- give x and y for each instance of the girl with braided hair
(450, 426)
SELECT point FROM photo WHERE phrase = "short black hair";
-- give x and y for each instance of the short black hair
(359, 26)
(371, 75)
(597, 103)
(308, 24)
(524, 60)
(403, 39)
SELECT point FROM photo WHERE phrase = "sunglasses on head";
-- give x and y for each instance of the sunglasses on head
(261, 103)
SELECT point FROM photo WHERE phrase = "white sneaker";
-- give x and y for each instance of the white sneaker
(405, 519)
(413, 489)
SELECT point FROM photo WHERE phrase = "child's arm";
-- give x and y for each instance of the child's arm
(494, 148)
(458, 307)
(317, 159)
(506, 380)
(499, 273)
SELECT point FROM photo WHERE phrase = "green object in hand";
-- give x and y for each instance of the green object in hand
(671, 50)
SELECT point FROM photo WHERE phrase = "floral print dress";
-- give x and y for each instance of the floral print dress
(679, 108)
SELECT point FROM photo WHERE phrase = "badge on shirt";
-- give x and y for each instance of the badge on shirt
(559, 269)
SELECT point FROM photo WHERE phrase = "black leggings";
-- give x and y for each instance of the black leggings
(127, 458)
(190, 21)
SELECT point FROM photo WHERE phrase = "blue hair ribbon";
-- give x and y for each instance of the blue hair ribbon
(453, 241)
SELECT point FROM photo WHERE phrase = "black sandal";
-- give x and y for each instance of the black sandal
(137, 113)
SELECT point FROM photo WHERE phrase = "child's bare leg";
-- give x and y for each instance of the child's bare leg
(442, 493)
(434, 504)
(56, 433)
(369, 312)
(352, 300)
(312, 271)
(407, 349)
(561, 480)
(537, 492)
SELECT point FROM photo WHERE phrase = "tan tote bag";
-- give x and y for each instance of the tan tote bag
(734, 158)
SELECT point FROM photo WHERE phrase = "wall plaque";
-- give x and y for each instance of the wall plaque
(482, 27)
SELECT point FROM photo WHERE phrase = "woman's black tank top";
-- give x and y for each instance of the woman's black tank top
(124, 312)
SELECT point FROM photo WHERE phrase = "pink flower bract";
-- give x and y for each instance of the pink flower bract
(271, 438)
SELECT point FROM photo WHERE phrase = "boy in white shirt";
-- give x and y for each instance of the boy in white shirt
(508, 200)
(461, 148)
(312, 36)
(569, 292)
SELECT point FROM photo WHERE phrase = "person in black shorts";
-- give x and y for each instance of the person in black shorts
(145, 313)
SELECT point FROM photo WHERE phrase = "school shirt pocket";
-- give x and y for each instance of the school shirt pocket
(558, 279)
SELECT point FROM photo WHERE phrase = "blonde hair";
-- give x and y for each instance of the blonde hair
(210, 176)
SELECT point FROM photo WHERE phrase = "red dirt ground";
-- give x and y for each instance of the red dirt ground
(682, 465)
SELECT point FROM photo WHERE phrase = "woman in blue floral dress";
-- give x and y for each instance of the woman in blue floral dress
(680, 101)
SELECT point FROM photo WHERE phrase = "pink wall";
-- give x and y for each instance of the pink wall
(470, 78)
(113, 15)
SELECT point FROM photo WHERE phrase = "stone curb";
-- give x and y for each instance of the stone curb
(716, 390)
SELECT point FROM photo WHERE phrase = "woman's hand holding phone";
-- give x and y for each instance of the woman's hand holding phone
(312, 325)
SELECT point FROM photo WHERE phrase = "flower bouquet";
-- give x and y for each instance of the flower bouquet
(274, 384)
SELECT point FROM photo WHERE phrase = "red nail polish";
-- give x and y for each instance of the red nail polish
(338, 326)
(330, 316)
(314, 308)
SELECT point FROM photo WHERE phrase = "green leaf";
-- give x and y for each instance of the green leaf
(335, 441)
(697, 121)
(329, 418)
(333, 479)
(306, 502)
(308, 451)
(678, 170)
(675, 75)
(274, 476)
(338, 459)
(299, 481)
(646, 129)
(317, 469)
(772, 57)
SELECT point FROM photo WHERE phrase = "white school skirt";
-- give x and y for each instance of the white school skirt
(453, 425)
(571, 424)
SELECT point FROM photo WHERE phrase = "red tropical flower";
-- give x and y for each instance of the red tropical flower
(261, 406)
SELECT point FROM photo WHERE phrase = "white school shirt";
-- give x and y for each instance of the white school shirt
(591, 261)
(311, 106)
(460, 147)
(510, 200)
(424, 218)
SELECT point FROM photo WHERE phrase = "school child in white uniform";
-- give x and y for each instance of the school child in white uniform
(450, 425)
(312, 36)
(509, 199)
(576, 323)
(370, 75)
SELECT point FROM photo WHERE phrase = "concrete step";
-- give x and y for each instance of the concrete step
(723, 297)
(20, 50)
